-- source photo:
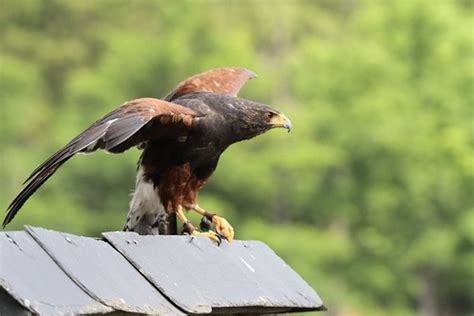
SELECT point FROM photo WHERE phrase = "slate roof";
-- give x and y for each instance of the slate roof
(53, 273)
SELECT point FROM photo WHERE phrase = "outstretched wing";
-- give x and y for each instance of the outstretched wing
(129, 125)
(133, 123)
(221, 80)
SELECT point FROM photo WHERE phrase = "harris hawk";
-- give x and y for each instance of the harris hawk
(182, 138)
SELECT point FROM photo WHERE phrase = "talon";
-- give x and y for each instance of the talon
(223, 227)
(211, 235)
(220, 236)
(219, 239)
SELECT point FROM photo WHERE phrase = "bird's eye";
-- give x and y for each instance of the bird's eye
(270, 115)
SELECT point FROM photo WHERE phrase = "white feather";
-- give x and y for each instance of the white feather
(145, 202)
(90, 147)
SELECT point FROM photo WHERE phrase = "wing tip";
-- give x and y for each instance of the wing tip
(8, 218)
(12, 210)
(250, 73)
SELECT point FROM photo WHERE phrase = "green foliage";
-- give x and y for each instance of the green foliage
(370, 197)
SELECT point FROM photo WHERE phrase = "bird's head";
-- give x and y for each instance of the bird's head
(278, 120)
(260, 118)
(233, 119)
(250, 118)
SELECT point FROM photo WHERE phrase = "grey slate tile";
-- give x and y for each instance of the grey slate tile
(30, 276)
(200, 277)
(103, 272)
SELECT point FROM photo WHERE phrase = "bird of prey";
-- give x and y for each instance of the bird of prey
(182, 138)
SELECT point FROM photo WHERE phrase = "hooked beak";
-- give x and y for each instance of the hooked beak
(281, 120)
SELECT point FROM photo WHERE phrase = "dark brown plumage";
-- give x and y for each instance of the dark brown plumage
(182, 141)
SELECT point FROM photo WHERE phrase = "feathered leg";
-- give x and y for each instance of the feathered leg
(147, 215)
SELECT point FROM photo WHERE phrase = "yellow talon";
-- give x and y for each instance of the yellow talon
(210, 234)
(223, 227)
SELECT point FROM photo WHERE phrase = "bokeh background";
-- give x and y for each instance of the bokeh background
(369, 198)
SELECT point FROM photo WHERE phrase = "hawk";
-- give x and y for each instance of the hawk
(182, 138)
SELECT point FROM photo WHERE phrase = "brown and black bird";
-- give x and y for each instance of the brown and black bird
(182, 138)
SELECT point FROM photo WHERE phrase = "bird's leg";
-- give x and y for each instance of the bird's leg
(222, 225)
(189, 228)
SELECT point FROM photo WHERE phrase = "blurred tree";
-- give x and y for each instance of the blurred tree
(370, 197)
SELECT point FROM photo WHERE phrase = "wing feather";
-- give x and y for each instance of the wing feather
(227, 81)
(127, 126)
(133, 123)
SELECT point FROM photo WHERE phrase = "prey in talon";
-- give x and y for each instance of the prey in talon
(182, 138)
